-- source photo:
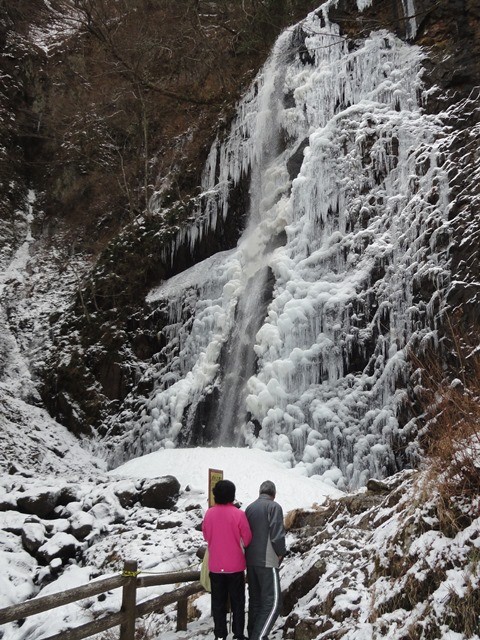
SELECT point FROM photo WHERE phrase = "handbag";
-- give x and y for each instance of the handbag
(204, 573)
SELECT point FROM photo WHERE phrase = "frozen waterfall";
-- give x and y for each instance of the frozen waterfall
(296, 341)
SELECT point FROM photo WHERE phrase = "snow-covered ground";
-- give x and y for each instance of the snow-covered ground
(246, 468)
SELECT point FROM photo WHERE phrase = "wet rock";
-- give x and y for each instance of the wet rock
(160, 493)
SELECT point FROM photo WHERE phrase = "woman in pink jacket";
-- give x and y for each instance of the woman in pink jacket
(227, 532)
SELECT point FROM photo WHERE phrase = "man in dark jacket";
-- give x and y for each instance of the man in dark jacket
(263, 556)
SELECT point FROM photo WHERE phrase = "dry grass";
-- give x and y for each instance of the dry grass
(451, 436)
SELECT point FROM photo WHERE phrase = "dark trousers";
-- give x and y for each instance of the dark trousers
(225, 585)
(264, 601)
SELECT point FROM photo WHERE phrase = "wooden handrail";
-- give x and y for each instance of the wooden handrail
(90, 628)
(45, 603)
(167, 578)
(126, 617)
(149, 606)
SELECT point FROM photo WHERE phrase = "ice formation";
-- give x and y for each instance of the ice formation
(296, 340)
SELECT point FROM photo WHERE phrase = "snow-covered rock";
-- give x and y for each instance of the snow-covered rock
(33, 536)
(61, 545)
(82, 524)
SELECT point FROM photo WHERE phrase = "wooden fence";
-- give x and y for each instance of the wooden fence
(130, 581)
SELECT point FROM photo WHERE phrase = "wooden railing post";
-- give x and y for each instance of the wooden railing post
(129, 600)
(182, 614)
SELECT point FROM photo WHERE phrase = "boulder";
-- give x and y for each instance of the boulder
(358, 503)
(168, 524)
(81, 524)
(67, 495)
(160, 493)
(57, 525)
(33, 536)
(7, 503)
(39, 504)
(127, 493)
(62, 545)
(315, 518)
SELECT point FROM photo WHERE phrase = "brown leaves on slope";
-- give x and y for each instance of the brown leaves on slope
(451, 436)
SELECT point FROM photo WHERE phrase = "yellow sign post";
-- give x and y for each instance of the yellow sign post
(214, 475)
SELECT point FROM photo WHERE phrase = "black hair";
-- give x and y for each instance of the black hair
(224, 492)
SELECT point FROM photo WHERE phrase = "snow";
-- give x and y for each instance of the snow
(246, 468)
(356, 550)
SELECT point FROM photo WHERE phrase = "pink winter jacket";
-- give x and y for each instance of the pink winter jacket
(227, 532)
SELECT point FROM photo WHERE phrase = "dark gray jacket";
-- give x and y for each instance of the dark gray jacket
(265, 517)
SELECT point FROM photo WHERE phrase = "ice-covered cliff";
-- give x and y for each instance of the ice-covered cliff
(297, 340)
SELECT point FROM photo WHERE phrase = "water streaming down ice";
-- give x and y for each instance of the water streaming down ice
(409, 13)
(348, 216)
